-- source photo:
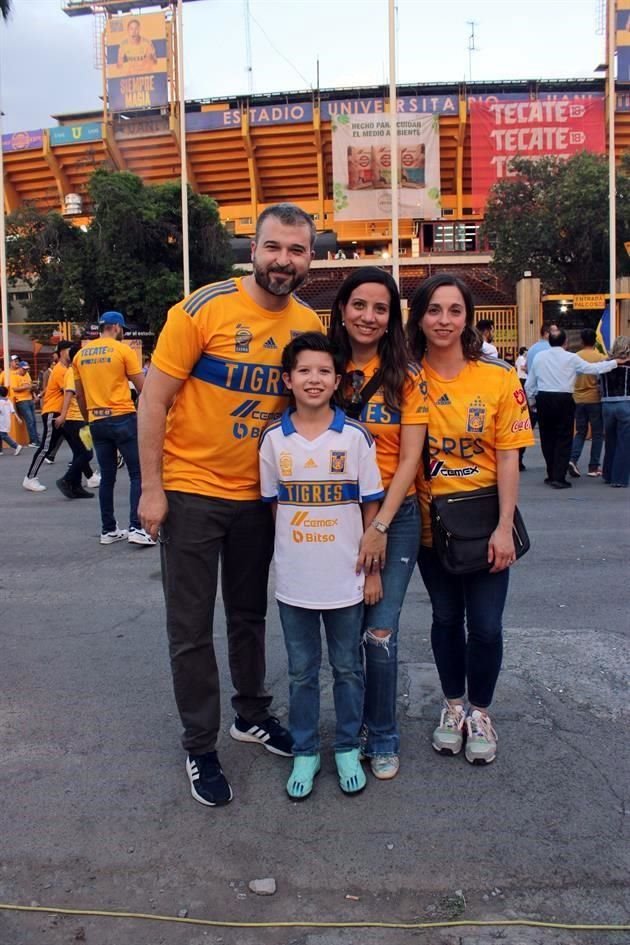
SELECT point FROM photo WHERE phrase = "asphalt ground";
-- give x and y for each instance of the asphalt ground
(96, 811)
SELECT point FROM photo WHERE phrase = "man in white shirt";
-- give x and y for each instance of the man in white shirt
(551, 380)
(543, 344)
(485, 326)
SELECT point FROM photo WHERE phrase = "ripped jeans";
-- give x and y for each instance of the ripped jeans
(381, 654)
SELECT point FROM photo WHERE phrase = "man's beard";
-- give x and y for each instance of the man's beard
(264, 278)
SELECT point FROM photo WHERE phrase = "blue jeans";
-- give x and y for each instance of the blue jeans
(26, 410)
(381, 653)
(302, 636)
(8, 439)
(110, 436)
(466, 663)
(617, 456)
(585, 414)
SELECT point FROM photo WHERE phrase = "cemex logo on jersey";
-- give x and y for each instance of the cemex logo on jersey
(248, 408)
(439, 468)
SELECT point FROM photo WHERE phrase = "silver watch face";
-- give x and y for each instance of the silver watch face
(380, 527)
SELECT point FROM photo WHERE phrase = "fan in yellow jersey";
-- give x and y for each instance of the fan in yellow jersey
(218, 363)
(478, 420)
(70, 421)
(103, 369)
(389, 396)
(52, 403)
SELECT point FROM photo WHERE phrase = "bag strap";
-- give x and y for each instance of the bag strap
(369, 389)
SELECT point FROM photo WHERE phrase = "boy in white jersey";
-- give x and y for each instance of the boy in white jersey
(319, 469)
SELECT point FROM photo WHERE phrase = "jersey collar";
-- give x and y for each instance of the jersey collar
(336, 424)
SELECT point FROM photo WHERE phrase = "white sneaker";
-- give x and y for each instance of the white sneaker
(448, 737)
(481, 741)
(138, 536)
(119, 534)
(33, 485)
(18, 450)
(49, 461)
(34, 446)
(94, 481)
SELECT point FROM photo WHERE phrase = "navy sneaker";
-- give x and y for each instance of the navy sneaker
(208, 784)
(270, 734)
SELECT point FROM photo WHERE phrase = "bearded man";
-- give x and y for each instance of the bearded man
(213, 385)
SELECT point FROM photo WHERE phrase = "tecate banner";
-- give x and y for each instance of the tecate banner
(362, 174)
(530, 129)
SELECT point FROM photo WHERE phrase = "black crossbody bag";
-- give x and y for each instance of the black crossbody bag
(461, 524)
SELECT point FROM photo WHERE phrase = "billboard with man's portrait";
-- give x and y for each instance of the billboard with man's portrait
(136, 62)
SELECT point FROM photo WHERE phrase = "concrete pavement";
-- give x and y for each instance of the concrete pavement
(96, 811)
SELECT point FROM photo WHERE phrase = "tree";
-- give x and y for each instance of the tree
(552, 218)
(134, 246)
(130, 258)
(49, 255)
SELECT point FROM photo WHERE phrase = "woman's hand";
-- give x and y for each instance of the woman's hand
(372, 551)
(373, 590)
(501, 553)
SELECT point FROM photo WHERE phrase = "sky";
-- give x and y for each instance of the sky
(47, 58)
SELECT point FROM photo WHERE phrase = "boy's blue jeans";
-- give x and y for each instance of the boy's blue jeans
(303, 640)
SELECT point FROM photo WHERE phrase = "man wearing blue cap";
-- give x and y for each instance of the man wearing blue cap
(103, 369)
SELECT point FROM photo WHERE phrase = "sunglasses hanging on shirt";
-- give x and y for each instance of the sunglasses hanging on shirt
(353, 381)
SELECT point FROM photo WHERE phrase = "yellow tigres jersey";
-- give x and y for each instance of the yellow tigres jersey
(482, 410)
(104, 367)
(384, 424)
(69, 385)
(133, 54)
(52, 401)
(228, 351)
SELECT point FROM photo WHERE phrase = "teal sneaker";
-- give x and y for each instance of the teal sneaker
(448, 737)
(305, 769)
(352, 778)
(481, 740)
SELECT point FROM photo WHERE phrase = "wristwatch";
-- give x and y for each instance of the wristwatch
(380, 527)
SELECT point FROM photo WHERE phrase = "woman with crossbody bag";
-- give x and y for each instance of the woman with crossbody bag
(478, 421)
(388, 396)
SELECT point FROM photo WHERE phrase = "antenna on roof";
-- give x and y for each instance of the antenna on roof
(471, 46)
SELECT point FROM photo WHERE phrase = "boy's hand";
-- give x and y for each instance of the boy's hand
(373, 589)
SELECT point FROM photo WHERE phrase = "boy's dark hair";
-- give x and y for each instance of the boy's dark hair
(310, 341)
(522, 350)
(3, 390)
(589, 337)
(485, 324)
(557, 338)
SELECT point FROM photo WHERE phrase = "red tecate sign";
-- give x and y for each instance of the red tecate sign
(530, 129)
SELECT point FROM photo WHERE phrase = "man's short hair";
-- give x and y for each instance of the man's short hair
(310, 341)
(557, 338)
(63, 345)
(485, 324)
(3, 390)
(290, 215)
(589, 337)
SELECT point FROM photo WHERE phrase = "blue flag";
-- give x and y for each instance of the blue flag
(603, 332)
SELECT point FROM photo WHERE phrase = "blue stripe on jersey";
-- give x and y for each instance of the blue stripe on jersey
(207, 292)
(302, 303)
(359, 426)
(374, 497)
(497, 362)
(318, 493)
(240, 376)
(272, 426)
(379, 413)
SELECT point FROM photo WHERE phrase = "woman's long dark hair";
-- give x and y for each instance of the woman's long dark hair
(471, 339)
(392, 348)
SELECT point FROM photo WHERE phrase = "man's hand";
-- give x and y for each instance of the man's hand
(152, 510)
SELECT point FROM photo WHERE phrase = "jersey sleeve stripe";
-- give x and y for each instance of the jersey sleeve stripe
(195, 301)
(496, 362)
(267, 430)
(373, 496)
(357, 426)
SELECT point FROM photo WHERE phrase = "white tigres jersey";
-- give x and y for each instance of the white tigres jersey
(319, 486)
